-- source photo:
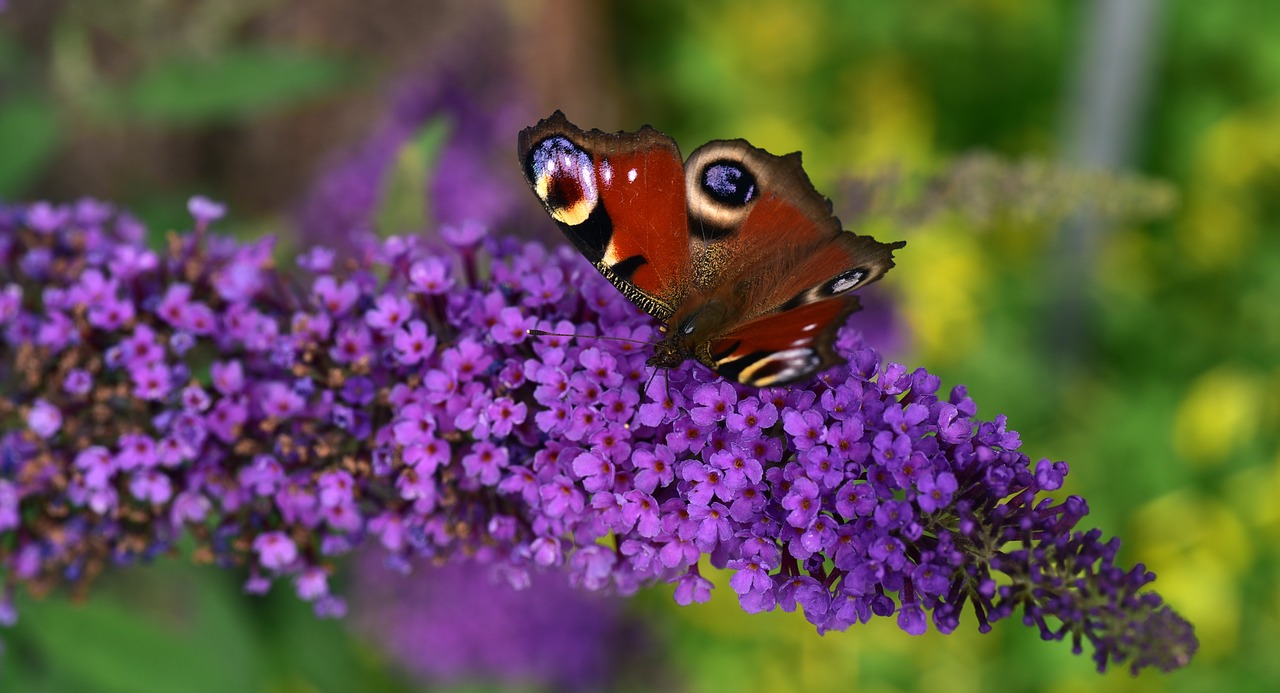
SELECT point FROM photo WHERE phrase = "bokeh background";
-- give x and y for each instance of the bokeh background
(1090, 192)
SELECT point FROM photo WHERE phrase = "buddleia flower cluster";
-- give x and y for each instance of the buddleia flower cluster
(276, 418)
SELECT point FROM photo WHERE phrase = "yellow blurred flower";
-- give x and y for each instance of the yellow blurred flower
(940, 279)
(1217, 415)
(1199, 547)
(887, 121)
(1238, 154)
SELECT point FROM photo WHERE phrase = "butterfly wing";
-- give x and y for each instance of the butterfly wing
(761, 230)
(620, 199)
(767, 246)
(781, 347)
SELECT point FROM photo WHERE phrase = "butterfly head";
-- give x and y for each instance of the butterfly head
(667, 355)
(690, 332)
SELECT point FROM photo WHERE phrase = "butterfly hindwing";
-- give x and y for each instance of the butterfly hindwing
(620, 199)
(781, 347)
(795, 337)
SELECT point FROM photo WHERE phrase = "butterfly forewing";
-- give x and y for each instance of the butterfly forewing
(758, 223)
(620, 200)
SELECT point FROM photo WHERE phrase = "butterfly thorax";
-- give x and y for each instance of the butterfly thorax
(690, 332)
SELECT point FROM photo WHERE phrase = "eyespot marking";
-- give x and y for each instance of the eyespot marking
(728, 182)
(846, 281)
(564, 178)
(780, 367)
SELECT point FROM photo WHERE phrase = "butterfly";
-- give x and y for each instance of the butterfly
(732, 249)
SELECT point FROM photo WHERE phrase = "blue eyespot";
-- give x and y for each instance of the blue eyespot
(846, 280)
(563, 175)
(729, 183)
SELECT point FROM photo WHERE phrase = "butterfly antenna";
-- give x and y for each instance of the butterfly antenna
(541, 333)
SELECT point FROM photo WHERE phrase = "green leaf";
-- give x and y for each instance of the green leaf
(28, 140)
(404, 206)
(176, 631)
(230, 85)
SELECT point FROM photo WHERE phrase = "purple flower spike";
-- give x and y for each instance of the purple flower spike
(386, 400)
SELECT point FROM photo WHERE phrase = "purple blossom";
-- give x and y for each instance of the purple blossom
(280, 401)
(44, 419)
(275, 550)
(389, 313)
(150, 486)
(228, 377)
(77, 382)
(597, 473)
(414, 343)
(335, 297)
(205, 210)
(802, 503)
(468, 233)
(9, 518)
(311, 584)
(430, 276)
(751, 418)
(806, 428)
(485, 463)
(421, 421)
(714, 401)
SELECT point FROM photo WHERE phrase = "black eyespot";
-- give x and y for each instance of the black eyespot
(728, 182)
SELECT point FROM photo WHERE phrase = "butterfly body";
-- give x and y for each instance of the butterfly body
(733, 249)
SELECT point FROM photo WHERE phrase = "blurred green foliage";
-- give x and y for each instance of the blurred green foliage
(403, 206)
(28, 122)
(1166, 405)
(235, 84)
(172, 626)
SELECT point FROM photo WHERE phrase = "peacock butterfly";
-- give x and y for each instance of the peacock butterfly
(733, 249)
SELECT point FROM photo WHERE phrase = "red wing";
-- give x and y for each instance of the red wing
(782, 347)
(620, 198)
